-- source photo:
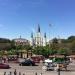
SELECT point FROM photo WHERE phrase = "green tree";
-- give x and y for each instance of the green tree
(55, 40)
(63, 51)
(54, 45)
(71, 39)
(45, 51)
(72, 47)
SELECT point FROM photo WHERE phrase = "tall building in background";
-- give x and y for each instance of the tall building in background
(37, 39)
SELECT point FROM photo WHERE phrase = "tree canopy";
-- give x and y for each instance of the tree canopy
(57, 46)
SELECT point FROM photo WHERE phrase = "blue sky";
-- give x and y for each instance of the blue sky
(21, 17)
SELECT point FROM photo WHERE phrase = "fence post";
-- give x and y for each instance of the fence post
(10, 73)
(36, 73)
(19, 73)
(4, 73)
(58, 71)
(15, 73)
(23, 73)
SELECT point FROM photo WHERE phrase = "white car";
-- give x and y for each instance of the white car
(48, 65)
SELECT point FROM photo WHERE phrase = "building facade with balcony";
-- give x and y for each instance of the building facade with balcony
(21, 41)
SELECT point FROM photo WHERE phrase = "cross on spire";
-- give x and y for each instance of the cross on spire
(38, 28)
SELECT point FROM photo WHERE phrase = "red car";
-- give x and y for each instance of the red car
(4, 66)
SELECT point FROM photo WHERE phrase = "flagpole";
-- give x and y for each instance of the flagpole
(49, 32)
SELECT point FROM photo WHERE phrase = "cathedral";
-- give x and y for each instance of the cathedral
(37, 39)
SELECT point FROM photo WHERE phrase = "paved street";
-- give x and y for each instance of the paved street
(31, 70)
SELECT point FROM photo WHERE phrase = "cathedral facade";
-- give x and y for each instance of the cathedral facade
(37, 39)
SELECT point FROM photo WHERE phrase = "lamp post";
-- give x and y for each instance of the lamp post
(58, 69)
(32, 42)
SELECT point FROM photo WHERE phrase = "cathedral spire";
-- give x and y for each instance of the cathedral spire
(45, 39)
(31, 35)
(44, 35)
(38, 28)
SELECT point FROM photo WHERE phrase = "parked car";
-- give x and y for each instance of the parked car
(27, 62)
(4, 66)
